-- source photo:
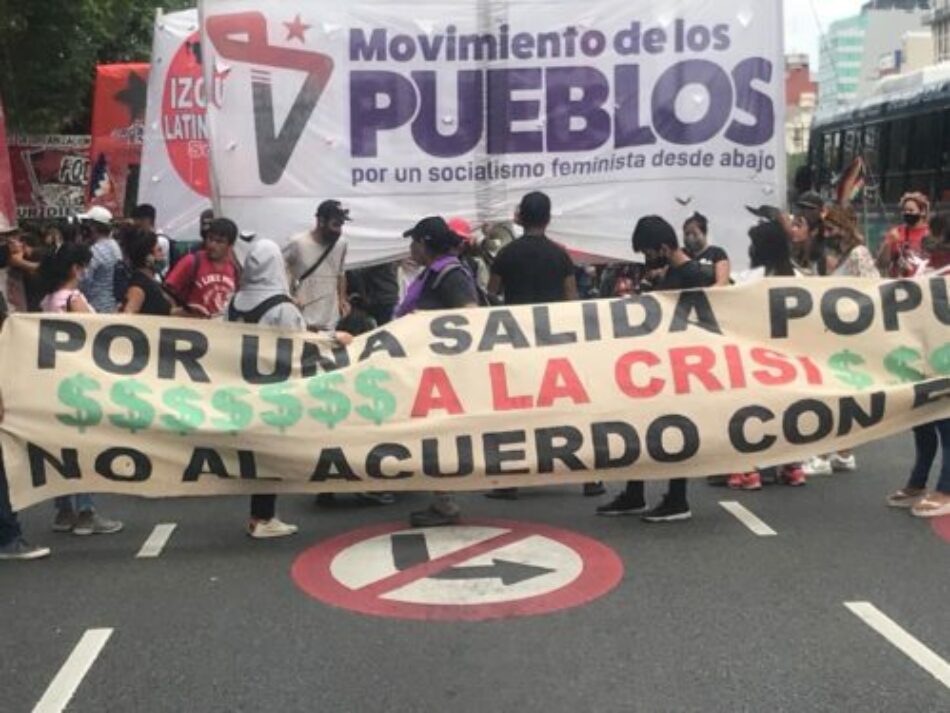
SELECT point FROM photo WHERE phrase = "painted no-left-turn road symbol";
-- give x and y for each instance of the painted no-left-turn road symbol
(485, 569)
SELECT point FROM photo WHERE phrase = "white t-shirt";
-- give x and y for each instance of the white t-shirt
(318, 295)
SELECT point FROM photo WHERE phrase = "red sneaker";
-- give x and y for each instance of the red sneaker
(735, 481)
(793, 475)
(752, 481)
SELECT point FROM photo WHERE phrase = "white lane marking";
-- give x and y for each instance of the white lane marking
(748, 518)
(64, 686)
(914, 649)
(156, 541)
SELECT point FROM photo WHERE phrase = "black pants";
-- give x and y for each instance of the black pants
(9, 527)
(263, 507)
(676, 493)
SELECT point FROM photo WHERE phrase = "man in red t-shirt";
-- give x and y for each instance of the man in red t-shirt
(204, 282)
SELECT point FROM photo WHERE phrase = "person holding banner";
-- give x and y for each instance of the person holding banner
(315, 262)
(63, 272)
(263, 298)
(534, 270)
(12, 544)
(657, 240)
(443, 284)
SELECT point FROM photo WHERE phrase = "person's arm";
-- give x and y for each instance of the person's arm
(885, 255)
(723, 273)
(176, 282)
(77, 303)
(134, 299)
(570, 288)
(494, 284)
(343, 296)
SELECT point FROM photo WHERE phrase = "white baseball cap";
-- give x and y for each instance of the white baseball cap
(97, 214)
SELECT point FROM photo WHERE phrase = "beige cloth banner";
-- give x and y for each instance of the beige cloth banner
(655, 386)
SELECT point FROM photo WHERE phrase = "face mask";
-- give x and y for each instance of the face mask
(912, 219)
(657, 262)
(694, 243)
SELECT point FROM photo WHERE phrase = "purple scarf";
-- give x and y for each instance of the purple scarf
(414, 292)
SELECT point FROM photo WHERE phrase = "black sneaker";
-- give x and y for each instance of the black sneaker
(623, 504)
(669, 511)
(593, 490)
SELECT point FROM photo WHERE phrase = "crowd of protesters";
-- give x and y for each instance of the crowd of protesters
(96, 264)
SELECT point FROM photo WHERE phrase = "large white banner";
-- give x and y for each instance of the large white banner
(616, 108)
(175, 174)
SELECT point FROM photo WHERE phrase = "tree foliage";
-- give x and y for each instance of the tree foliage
(49, 50)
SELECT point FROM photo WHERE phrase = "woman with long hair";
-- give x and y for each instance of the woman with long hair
(61, 272)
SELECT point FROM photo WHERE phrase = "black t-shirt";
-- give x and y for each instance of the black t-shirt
(155, 302)
(453, 287)
(712, 255)
(532, 270)
(687, 276)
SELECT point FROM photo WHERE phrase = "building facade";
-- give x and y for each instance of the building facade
(853, 47)
(801, 93)
(940, 25)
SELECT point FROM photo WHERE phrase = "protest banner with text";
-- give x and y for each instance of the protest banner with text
(406, 109)
(649, 387)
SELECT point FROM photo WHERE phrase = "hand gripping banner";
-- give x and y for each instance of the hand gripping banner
(649, 387)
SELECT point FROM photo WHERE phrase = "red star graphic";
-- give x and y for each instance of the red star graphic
(296, 30)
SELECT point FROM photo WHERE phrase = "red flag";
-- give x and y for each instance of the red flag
(118, 118)
(7, 201)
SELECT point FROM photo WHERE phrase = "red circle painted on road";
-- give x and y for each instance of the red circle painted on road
(600, 570)
(942, 527)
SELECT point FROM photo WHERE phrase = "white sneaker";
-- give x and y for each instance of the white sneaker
(266, 529)
(816, 465)
(840, 463)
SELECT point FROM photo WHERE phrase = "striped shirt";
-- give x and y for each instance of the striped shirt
(97, 284)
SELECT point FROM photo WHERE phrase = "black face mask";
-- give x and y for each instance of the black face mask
(656, 263)
(912, 219)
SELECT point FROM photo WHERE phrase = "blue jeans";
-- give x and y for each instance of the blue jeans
(9, 527)
(925, 440)
(74, 503)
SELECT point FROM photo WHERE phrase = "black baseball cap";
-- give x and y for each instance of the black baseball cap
(810, 201)
(434, 231)
(333, 210)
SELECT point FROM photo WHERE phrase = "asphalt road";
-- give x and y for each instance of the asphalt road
(707, 617)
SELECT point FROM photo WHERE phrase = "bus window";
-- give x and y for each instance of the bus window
(895, 175)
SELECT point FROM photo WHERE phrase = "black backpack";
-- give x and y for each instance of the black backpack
(255, 315)
(484, 299)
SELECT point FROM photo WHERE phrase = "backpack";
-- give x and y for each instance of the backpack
(484, 299)
(255, 315)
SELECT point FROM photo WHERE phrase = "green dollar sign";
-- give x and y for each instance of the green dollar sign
(237, 414)
(189, 417)
(940, 360)
(72, 392)
(383, 402)
(139, 414)
(898, 363)
(288, 409)
(842, 364)
(336, 406)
